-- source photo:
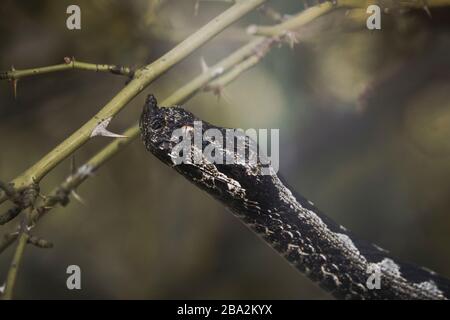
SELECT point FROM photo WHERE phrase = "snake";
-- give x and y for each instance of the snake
(327, 253)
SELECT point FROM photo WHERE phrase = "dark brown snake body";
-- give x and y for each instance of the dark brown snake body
(323, 250)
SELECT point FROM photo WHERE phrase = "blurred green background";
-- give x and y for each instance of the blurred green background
(364, 120)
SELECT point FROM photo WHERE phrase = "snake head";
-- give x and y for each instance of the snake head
(157, 125)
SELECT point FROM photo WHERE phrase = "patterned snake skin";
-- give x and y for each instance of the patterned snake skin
(323, 250)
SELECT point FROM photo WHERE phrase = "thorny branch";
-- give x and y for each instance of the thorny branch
(69, 64)
(30, 196)
(15, 75)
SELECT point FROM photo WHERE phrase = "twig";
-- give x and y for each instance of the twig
(28, 198)
(15, 263)
(143, 77)
(217, 85)
(69, 64)
(295, 22)
(314, 12)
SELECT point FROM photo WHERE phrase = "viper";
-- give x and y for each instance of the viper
(326, 252)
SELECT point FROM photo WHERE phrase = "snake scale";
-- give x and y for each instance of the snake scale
(323, 250)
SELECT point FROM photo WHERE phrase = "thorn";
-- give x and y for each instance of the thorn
(427, 10)
(205, 67)
(31, 225)
(251, 29)
(40, 212)
(220, 92)
(12, 234)
(291, 38)
(196, 7)
(78, 197)
(100, 130)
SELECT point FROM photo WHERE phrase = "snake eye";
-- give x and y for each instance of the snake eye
(156, 125)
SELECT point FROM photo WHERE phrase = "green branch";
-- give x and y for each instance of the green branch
(314, 12)
(295, 22)
(218, 84)
(17, 258)
(69, 64)
(15, 75)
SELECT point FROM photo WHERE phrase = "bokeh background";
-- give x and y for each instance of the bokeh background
(364, 120)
